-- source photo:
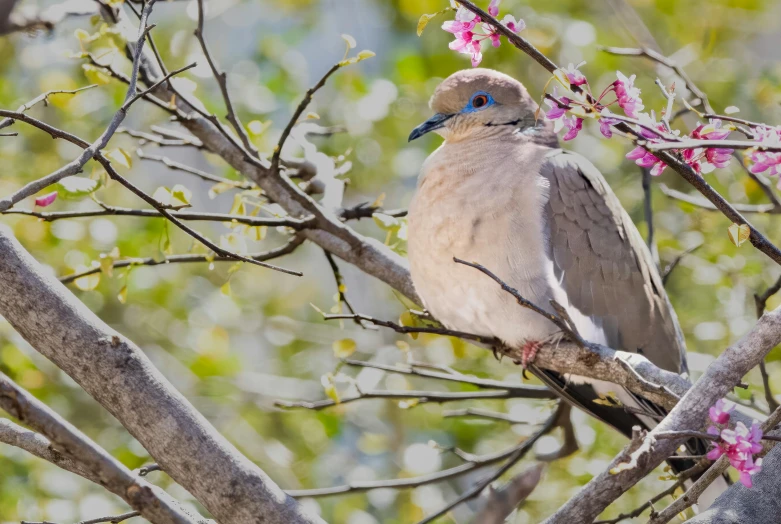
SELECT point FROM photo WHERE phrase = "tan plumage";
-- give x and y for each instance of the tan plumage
(499, 192)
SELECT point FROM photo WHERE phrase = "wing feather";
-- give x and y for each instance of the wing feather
(605, 267)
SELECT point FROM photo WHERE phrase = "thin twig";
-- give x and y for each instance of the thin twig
(296, 115)
(203, 175)
(107, 210)
(413, 369)
(705, 204)
(668, 269)
(476, 462)
(511, 461)
(422, 397)
(760, 300)
(222, 81)
(564, 324)
(287, 248)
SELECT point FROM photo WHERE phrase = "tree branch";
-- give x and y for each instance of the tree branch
(151, 502)
(719, 378)
(271, 254)
(64, 330)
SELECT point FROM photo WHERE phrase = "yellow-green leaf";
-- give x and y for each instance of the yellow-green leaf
(76, 187)
(238, 207)
(175, 198)
(119, 156)
(81, 34)
(344, 348)
(738, 233)
(256, 127)
(386, 222)
(234, 243)
(219, 188)
(225, 289)
(351, 43)
(327, 381)
(88, 282)
(96, 75)
(122, 295)
(425, 19)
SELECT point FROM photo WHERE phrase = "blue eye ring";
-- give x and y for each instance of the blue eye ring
(480, 100)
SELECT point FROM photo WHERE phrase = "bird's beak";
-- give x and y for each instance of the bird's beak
(435, 122)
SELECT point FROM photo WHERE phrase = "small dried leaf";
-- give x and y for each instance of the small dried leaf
(738, 233)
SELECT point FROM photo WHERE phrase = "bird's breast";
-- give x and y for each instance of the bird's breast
(496, 221)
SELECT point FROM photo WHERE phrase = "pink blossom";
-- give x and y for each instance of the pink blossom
(706, 160)
(462, 42)
(45, 200)
(749, 468)
(516, 26)
(719, 413)
(767, 162)
(557, 108)
(573, 125)
(468, 40)
(574, 75)
(465, 20)
(628, 95)
(605, 123)
(739, 444)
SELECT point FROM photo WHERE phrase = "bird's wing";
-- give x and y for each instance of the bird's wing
(605, 266)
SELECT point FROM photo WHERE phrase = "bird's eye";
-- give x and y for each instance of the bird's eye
(479, 101)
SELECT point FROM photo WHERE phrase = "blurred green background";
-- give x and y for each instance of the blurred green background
(232, 352)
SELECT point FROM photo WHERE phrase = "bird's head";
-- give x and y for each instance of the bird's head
(469, 101)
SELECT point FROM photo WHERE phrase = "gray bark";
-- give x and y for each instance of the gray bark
(117, 374)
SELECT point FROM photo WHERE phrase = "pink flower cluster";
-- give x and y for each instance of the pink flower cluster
(702, 160)
(767, 162)
(467, 40)
(739, 444)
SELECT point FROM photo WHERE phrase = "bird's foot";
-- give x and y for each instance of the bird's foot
(529, 352)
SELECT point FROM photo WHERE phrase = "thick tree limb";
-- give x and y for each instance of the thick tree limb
(38, 445)
(188, 448)
(368, 254)
(153, 503)
(719, 378)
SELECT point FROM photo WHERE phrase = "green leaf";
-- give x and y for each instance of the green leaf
(119, 156)
(175, 198)
(76, 187)
(96, 75)
(363, 55)
(425, 19)
(386, 222)
(122, 295)
(327, 381)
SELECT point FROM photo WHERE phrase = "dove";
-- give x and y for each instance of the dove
(500, 192)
